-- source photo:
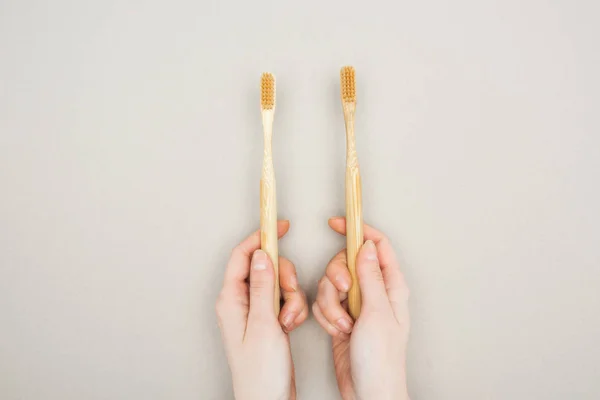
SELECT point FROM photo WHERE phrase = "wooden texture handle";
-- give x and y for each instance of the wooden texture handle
(268, 207)
(354, 218)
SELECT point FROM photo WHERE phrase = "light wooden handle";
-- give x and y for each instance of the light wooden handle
(268, 213)
(354, 235)
(354, 218)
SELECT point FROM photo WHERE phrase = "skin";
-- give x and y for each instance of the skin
(256, 341)
(369, 354)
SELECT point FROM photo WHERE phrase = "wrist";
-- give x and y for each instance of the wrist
(261, 392)
(393, 391)
(402, 395)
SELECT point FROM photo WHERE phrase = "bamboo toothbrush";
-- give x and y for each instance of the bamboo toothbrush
(268, 198)
(354, 219)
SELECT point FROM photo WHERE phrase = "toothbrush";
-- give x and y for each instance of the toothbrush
(268, 197)
(354, 218)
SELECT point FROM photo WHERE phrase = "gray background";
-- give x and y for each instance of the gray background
(130, 149)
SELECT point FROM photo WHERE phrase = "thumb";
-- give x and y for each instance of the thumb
(262, 281)
(370, 279)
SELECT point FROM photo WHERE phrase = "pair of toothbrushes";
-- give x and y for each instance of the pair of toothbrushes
(268, 201)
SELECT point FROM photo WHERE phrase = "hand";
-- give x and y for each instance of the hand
(256, 342)
(369, 355)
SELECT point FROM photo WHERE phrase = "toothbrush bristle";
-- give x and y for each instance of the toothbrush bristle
(267, 91)
(347, 84)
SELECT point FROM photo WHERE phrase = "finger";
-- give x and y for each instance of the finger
(386, 253)
(294, 299)
(328, 300)
(395, 283)
(238, 267)
(262, 282)
(288, 280)
(298, 320)
(370, 279)
(302, 317)
(337, 272)
(330, 329)
(233, 302)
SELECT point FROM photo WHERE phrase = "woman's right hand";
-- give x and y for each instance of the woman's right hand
(369, 354)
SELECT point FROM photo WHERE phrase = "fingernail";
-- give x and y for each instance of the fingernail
(336, 218)
(370, 250)
(343, 283)
(344, 325)
(259, 260)
(288, 320)
(293, 282)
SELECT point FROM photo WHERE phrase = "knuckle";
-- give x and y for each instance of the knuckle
(339, 257)
(295, 299)
(378, 277)
(257, 285)
(315, 308)
(288, 296)
(384, 240)
(330, 274)
(322, 303)
(286, 263)
(373, 269)
(322, 282)
(334, 270)
(235, 251)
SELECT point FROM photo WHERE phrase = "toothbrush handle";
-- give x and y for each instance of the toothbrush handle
(354, 231)
(268, 222)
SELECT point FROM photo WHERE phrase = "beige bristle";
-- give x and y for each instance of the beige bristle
(267, 91)
(348, 85)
